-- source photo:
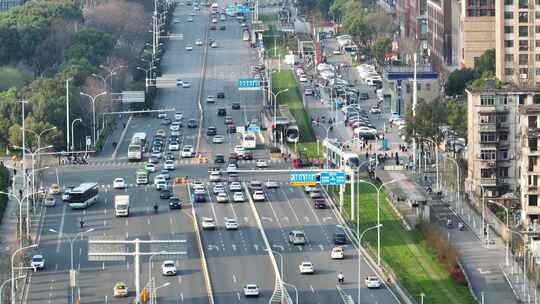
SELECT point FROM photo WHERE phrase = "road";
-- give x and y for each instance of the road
(234, 258)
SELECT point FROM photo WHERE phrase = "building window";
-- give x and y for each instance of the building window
(532, 122)
(501, 117)
(488, 137)
(537, 71)
(523, 59)
(537, 14)
(523, 31)
(508, 29)
(504, 154)
(508, 71)
(508, 15)
(523, 3)
(428, 86)
(536, 99)
(503, 136)
(486, 173)
(486, 118)
(508, 57)
(533, 180)
(488, 154)
(503, 172)
(523, 17)
(506, 100)
(508, 2)
(533, 200)
(523, 45)
(509, 43)
(487, 100)
(537, 43)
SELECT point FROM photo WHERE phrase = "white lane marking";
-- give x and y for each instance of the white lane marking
(306, 218)
(290, 206)
(238, 295)
(212, 247)
(321, 246)
(246, 219)
(80, 251)
(256, 247)
(312, 289)
(265, 218)
(326, 218)
(127, 235)
(55, 267)
(233, 247)
(105, 223)
(102, 265)
(234, 278)
(61, 230)
(105, 211)
(171, 221)
(179, 280)
(280, 247)
(182, 297)
(148, 220)
(286, 219)
(127, 222)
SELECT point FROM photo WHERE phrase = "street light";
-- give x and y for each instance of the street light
(150, 268)
(507, 225)
(360, 257)
(458, 182)
(71, 241)
(378, 189)
(38, 135)
(19, 201)
(154, 295)
(112, 72)
(275, 108)
(93, 100)
(436, 147)
(5, 282)
(73, 132)
(12, 270)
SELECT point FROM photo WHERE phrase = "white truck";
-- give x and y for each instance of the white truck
(121, 205)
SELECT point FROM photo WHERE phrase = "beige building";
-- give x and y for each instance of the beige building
(517, 41)
(504, 147)
(478, 29)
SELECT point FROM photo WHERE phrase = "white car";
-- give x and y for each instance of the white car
(218, 188)
(119, 183)
(179, 115)
(174, 146)
(199, 189)
(232, 168)
(38, 262)
(218, 139)
(375, 110)
(336, 52)
(222, 197)
(214, 45)
(231, 224)
(215, 176)
(261, 163)
(235, 186)
(306, 267)
(210, 99)
(198, 42)
(189, 19)
(176, 21)
(169, 165)
(373, 282)
(175, 126)
(186, 84)
(162, 115)
(161, 185)
(303, 78)
(168, 268)
(337, 253)
(258, 196)
(187, 151)
(238, 197)
(50, 201)
(189, 47)
(394, 116)
(208, 223)
(271, 184)
(251, 290)
(214, 20)
(150, 167)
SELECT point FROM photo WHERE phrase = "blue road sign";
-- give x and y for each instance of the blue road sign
(332, 178)
(303, 179)
(254, 129)
(249, 84)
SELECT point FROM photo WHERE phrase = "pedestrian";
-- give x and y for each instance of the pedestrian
(14, 171)
(124, 125)
(367, 155)
(81, 222)
(20, 193)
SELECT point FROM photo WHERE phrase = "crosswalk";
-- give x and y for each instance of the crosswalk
(178, 162)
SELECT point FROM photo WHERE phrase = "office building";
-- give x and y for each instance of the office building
(478, 29)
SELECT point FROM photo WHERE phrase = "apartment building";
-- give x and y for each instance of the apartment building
(7, 4)
(477, 23)
(504, 147)
(517, 41)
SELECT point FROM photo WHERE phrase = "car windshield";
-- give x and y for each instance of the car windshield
(169, 265)
(37, 259)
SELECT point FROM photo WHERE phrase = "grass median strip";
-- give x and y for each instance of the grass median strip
(293, 98)
(407, 253)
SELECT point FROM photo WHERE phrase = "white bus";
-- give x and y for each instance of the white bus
(245, 35)
(85, 195)
(214, 8)
(338, 156)
(136, 146)
(249, 140)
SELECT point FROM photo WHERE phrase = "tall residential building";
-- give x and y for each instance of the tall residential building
(517, 41)
(443, 31)
(7, 4)
(504, 147)
(478, 29)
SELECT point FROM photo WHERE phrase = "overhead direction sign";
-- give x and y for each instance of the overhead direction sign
(249, 84)
(332, 178)
(303, 179)
(254, 129)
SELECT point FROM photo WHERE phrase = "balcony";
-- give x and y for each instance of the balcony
(488, 181)
(533, 132)
(532, 189)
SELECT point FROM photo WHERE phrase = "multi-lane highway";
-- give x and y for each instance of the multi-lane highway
(233, 257)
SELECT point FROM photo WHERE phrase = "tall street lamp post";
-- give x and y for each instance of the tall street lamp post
(93, 100)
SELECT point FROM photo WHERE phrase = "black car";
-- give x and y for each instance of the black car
(220, 95)
(175, 203)
(165, 194)
(211, 131)
(340, 238)
(166, 121)
(153, 160)
(235, 106)
(222, 27)
(192, 123)
(221, 112)
(200, 198)
(212, 27)
(219, 159)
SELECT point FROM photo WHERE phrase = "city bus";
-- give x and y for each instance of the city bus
(141, 176)
(338, 155)
(249, 140)
(85, 195)
(136, 146)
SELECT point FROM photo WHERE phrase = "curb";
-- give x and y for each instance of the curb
(121, 137)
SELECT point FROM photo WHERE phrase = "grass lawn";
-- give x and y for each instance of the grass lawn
(310, 149)
(406, 253)
(269, 18)
(293, 98)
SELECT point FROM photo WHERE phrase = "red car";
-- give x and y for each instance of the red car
(248, 155)
(319, 203)
(231, 128)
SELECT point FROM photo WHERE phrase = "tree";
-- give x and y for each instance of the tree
(14, 77)
(457, 116)
(381, 47)
(430, 115)
(458, 80)
(91, 45)
(485, 63)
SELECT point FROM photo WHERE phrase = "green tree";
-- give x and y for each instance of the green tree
(457, 116)
(458, 80)
(91, 45)
(485, 63)
(11, 76)
(10, 111)
(381, 47)
(430, 115)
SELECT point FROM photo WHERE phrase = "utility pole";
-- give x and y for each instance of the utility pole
(97, 251)
(67, 116)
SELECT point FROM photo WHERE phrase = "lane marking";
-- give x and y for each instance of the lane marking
(61, 230)
(265, 218)
(238, 295)
(312, 289)
(234, 278)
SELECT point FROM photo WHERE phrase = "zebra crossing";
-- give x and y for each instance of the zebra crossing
(178, 162)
